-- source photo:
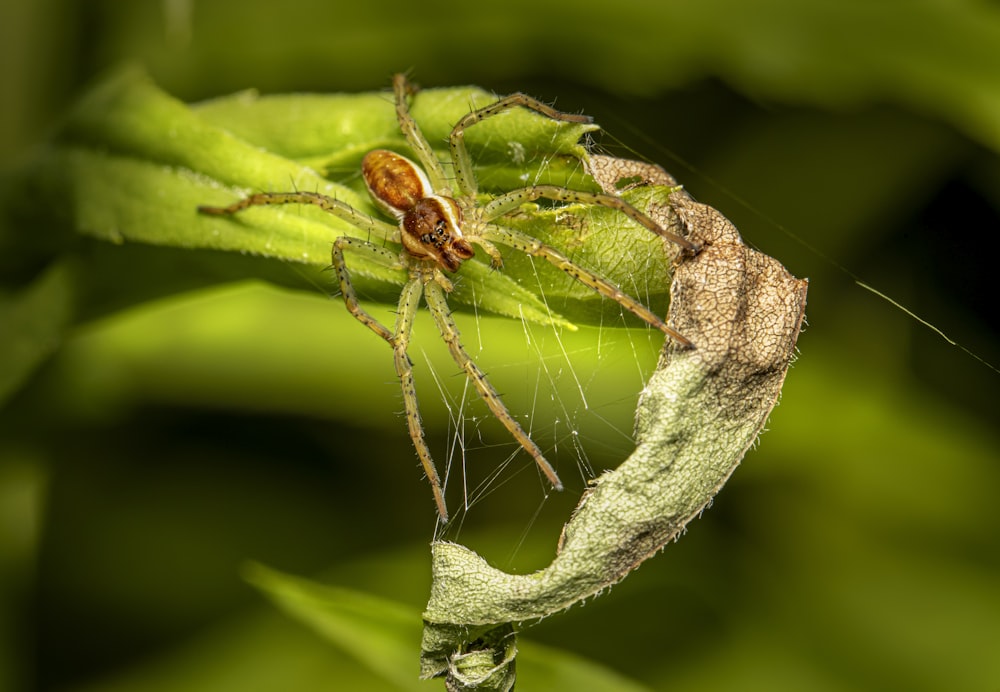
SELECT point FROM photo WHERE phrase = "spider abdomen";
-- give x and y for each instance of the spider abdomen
(394, 182)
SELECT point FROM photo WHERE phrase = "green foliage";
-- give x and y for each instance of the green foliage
(135, 165)
(383, 634)
(167, 443)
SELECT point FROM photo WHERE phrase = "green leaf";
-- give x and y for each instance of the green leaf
(332, 132)
(380, 633)
(383, 635)
(32, 322)
(134, 164)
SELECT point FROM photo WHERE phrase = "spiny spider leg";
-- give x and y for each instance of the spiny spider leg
(415, 138)
(512, 200)
(438, 305)
(347, 288)
(409, 301)
(342, 210)
(464, 176)
(536, 248)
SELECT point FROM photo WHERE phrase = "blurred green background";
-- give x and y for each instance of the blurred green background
(856, 549)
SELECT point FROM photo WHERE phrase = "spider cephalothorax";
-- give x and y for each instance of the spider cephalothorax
(437, 226)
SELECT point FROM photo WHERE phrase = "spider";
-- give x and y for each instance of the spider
(437, 226)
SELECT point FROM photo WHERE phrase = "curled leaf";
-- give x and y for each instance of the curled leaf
(697, 416)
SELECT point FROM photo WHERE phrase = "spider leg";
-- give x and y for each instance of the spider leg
(438, 305)
(415, 138)
(460, 155)
(347, 287)
(496, 259)
(536, 248)
(409, 300)
(342, 210)
(512, 200)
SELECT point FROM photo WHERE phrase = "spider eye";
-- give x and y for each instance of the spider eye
(432, 230)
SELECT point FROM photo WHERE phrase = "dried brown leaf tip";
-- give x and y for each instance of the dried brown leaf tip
(734, 303)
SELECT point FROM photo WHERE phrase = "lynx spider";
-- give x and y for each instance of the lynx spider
(436, 229)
